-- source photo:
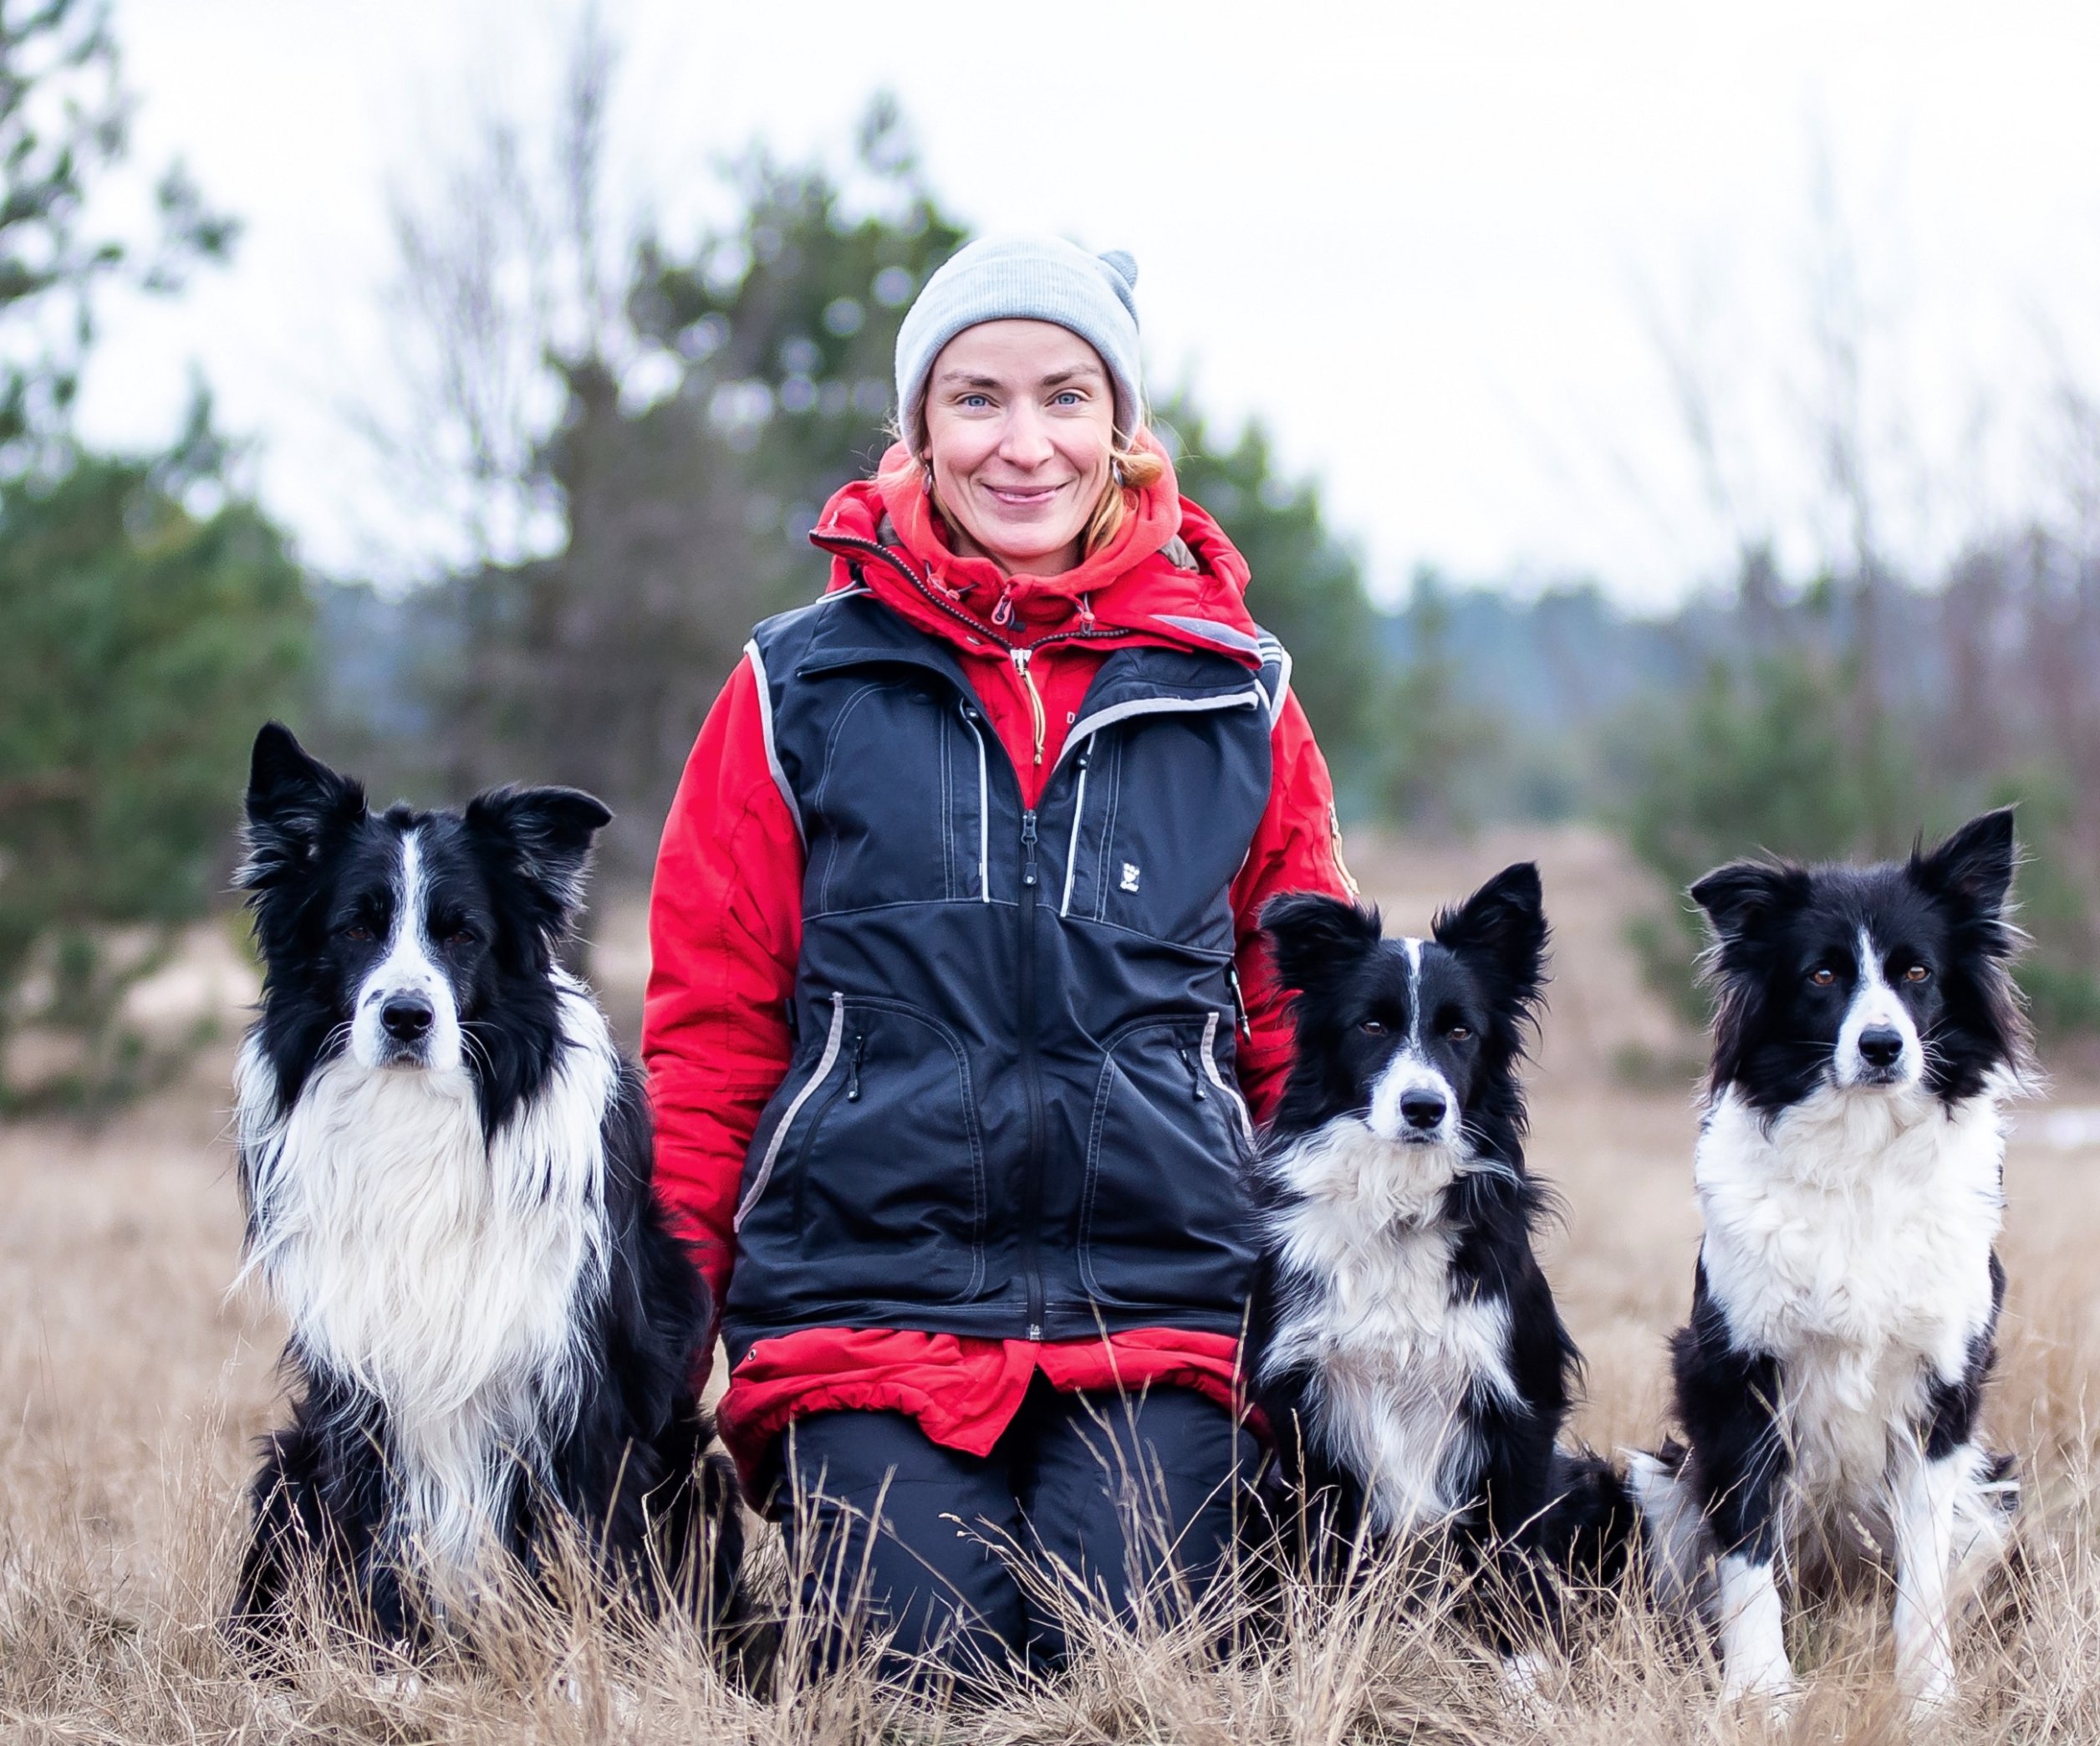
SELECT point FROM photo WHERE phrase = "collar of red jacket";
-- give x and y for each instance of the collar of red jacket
(1138, 588)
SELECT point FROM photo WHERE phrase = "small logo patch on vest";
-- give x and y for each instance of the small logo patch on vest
(1130, 875)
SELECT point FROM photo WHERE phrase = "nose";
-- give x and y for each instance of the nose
(1421, 1110)
(1024, 442)
(406, 1017)
(1881, 1046)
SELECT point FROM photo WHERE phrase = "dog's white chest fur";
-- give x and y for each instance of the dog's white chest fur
(1373, 1309)
(1851, 1239)
(445, 1274)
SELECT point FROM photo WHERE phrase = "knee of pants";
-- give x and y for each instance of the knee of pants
(1139, 1493)
(888, 1532)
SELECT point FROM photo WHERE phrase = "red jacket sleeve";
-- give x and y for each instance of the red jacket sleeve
(725, 930)
(1296, 847)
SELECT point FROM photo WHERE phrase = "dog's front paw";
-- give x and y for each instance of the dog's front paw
(1768, 1691)
(1929, 1685)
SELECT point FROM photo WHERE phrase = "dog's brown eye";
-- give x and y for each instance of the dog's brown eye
(1916, 973)
(460, 936)
(1822, 976)
(1459, 1033)
(1372, 1027)
(357, 930)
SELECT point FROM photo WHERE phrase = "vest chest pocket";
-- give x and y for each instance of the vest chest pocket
(1163, 1214)
(899, 812)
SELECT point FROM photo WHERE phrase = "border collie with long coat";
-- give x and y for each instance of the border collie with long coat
(445, 1165)
(1404, 1343)
(1849, 1171)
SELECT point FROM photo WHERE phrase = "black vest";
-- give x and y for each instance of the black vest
(1011, 1111)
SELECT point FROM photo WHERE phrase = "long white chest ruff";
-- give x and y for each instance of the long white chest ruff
(1373, 1313)
(1851, 1239)
(446, 1275)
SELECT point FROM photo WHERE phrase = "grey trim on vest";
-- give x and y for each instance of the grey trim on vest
(772, 755)
(1072, 850)
(794, 1109)
(1212, 631)
(984, 813)
(1211, 1072)
(1276, 652)
(1088, 726)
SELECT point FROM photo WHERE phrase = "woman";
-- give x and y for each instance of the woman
(953, 1070)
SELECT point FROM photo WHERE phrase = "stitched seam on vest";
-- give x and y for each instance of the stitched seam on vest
(1109, 829)
(772, 753)
(787, 1119)
(823, 783)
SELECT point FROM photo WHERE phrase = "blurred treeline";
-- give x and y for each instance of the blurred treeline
(622, 438)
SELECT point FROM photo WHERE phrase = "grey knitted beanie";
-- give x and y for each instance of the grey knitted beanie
(1032, 279)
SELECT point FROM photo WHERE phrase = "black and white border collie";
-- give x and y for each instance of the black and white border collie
(445, 1165)
(1849, 1172)
(1406, 1348)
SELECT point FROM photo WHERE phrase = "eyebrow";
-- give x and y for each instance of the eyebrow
(957, 378)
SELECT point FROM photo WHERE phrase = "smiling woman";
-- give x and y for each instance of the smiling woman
(953, 1077)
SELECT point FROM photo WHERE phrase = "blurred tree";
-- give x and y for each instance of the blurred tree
(1436, 744)
(1307, 585)
(146, 626)
(64, 120)
(149, 619)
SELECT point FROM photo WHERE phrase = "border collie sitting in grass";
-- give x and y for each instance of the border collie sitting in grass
(445, 1165)
(1405, 1347)
(1849, 1171)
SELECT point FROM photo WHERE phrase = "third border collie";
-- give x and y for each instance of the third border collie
(445, 1165)
(1404, 1345)
(1849, 1171)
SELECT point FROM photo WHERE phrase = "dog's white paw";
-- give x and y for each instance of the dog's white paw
(1527, 1679)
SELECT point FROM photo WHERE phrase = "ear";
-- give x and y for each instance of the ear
(294, 801)
(1743, 898)
(1973, 866)
(1504, 923)
(542, 836)
(1316, 940)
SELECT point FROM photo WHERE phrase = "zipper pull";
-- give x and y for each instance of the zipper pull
(1037, 719)
(853, 1068)
(1028, 847)
(1189, 1067)
(1239, 1002)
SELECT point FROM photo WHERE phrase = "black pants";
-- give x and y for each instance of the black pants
(1132, 1499)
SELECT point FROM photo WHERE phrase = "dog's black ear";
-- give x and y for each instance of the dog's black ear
(1317, 940)
(1742, 899)
(294, 802)
(541, 836)
(1973, 866)
(1504, 923)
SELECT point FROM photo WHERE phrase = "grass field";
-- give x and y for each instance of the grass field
(131, 1391)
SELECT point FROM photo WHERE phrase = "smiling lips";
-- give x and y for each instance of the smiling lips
(1025, 496)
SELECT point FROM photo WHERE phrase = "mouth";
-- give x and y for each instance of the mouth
(1022, 497)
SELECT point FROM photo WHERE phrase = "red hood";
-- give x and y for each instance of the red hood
(1130, 591)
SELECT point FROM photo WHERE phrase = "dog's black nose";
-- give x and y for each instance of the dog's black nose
(1881, 1047)
(406, 1017)
(1421, 1109)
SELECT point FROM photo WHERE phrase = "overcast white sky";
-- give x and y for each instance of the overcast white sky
(1428, 243)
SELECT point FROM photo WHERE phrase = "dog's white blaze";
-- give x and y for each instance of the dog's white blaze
(1875, 1004)
(410, 967)
(448, 1275)
(1398, 1354)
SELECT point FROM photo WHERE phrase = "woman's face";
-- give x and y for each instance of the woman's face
(1020, 419)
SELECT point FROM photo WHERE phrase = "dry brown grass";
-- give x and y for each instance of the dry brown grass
(131, 1393)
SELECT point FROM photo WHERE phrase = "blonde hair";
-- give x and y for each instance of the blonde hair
(1132, 468)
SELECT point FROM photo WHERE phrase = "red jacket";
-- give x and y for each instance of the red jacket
(724, 931)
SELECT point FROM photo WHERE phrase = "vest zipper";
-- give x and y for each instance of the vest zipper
(1031, 1080)
(1239, 1002)
(1037, 720)
(1189, 1067)
(1078, 818)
